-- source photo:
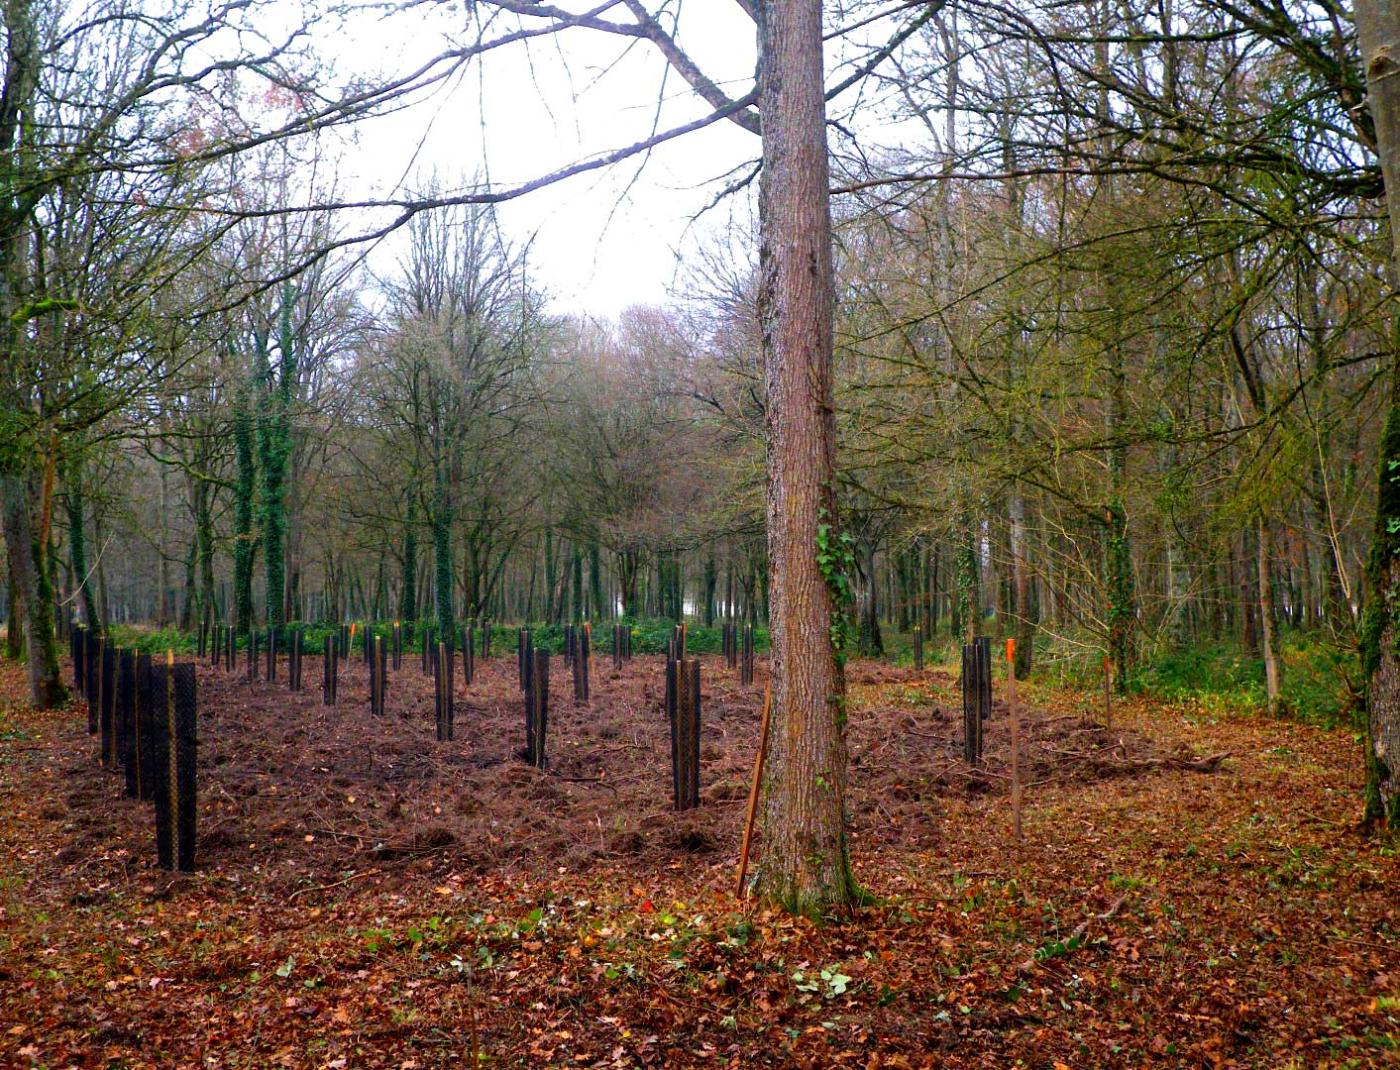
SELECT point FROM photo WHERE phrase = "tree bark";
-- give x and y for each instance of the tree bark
(408, 584)
(1021, 587)
(46, 690)
(77, 541)
(245, 482)
(200, 490)
(1266, 619)
(14, 630)
(1378, 31)
(442, 548)
(805, 867)
(968, 616)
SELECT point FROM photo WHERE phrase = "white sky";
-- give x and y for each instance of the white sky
(600, 241)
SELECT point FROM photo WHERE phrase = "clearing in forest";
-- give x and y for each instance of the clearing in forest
(1192, 890)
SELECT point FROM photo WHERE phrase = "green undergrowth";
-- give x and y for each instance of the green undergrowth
(1318, 676)
(1318, 673)
(648, 637)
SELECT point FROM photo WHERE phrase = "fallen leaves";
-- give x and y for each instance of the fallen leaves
(1167, 917)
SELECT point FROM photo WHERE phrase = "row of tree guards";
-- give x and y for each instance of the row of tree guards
(621, 645)
(145, 713)
(738, 649)
(976, 680)
(145, 710)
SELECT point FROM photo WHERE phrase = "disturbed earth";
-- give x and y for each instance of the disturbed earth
(1192, 889)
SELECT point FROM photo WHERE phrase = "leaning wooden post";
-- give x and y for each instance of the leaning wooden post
(1015, 739)
(918, 648)
(754, 786)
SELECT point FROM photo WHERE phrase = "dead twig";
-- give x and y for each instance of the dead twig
(335, 884)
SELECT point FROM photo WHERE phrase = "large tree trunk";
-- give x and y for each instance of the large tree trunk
(805, 866)
(1378, 29)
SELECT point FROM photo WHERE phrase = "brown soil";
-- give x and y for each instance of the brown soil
(1190, 891)
(303, 790)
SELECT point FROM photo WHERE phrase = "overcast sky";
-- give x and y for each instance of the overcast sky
(601, 241)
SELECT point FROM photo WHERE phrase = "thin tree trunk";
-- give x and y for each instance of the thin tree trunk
(163, 611)
(14, 629)
(1266, 619)
(1021, 587)
(408, 589)
(244, 488)
(46, 690)
(77, 541)
(442, 550)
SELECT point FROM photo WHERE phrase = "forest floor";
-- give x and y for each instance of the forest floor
(1193, 889)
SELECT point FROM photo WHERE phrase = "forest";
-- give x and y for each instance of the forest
(989, 549)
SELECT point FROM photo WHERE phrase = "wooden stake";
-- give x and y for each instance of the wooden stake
(1015, 740)
(1107, 695)
(753, 791)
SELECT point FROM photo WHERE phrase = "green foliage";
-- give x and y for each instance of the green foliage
(837, 561)
(648, 637)
(828, 984)
(939, 649)
(153, 640)
(1315, 678)
(32, 310)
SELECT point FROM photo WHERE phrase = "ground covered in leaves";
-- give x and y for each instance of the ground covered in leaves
(1192, 890)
